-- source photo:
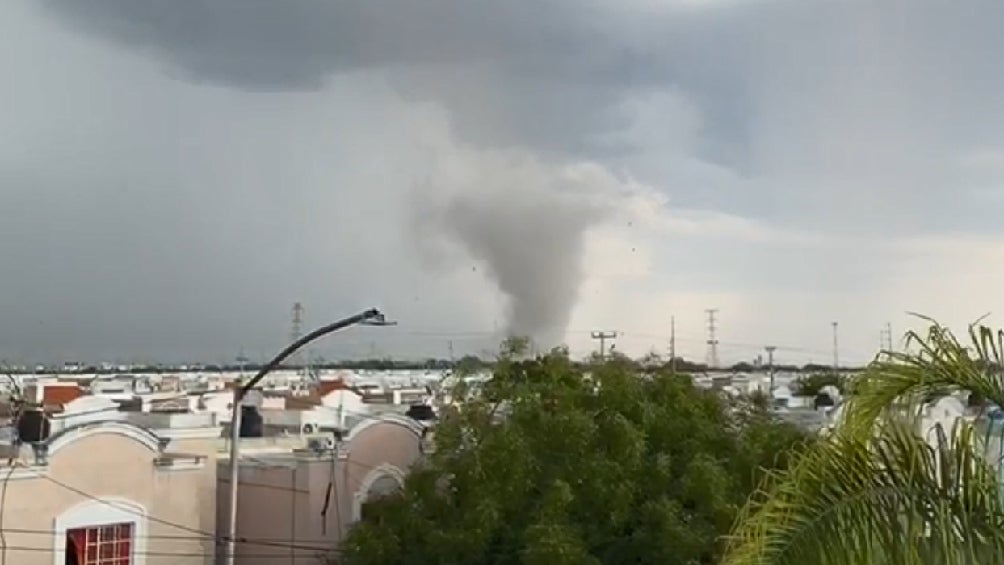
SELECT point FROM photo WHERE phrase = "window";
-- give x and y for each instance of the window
(109, 544)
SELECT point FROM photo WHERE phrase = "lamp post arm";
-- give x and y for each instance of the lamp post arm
(293, 347)
(230, 546)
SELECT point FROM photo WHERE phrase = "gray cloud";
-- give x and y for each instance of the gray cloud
(813, 106)
(215, 161)
(549, 73)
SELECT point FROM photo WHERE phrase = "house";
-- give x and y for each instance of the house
(946, 411)
(51, 392)
(120, 387)
(309, 497)
(111, 491)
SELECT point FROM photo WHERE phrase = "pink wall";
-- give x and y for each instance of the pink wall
(282, 497)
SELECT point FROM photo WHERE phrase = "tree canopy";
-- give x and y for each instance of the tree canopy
(553, 462)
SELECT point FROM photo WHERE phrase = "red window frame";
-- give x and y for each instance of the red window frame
(107, 544)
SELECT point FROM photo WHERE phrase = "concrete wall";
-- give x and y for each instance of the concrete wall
(282, 497)
(117, 468)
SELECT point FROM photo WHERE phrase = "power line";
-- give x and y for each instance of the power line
(202, 533)
(478, 334)
(35, 531)
(156, 553)
(603, 336)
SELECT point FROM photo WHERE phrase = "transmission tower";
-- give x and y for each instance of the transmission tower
(296, 329)
(886, 338)
(712, 340)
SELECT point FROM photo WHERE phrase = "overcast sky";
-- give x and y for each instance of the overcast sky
(175, 175)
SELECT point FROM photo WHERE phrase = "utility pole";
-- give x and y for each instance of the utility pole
(836, 350)
(603, 337)
(712, 340)
(242, 361)
(770, 366)
(672, 344)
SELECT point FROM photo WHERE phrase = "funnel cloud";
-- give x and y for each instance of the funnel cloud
(526, 225)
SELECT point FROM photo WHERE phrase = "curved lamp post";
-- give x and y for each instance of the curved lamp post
(371, 317)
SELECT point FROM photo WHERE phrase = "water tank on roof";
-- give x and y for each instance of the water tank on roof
(421, 412)
(252, 424)
(823, 400)
(33, 425)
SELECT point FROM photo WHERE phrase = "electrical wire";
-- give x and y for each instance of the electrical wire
(3, 504)
(33, 531)
(204, 534)
(479, 334)
(154, 553)
(200, 534)
(12, 464)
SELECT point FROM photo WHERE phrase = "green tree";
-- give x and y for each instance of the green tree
(555, 463)
(882, 490)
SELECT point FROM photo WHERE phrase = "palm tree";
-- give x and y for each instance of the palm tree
(876, 491)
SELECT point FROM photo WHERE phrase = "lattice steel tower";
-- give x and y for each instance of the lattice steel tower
(712, 339)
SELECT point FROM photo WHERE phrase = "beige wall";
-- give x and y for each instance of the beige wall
(280, 503)
(120, 467)
(281, 498)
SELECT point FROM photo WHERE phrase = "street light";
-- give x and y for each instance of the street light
(371, 317)
(378, 320)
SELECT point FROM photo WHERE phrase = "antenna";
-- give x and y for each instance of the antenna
(712, 340)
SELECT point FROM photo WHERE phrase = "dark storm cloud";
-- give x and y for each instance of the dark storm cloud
(852, 94)
(290, 45)
(547, 73)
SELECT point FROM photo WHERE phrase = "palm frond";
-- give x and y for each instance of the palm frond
(886, 499)
(936, 364)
